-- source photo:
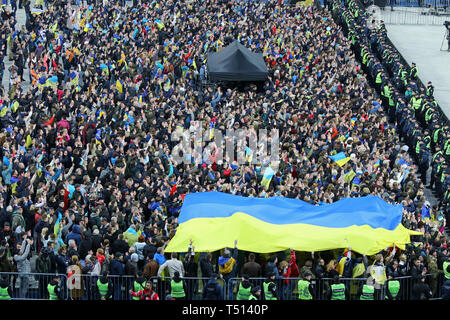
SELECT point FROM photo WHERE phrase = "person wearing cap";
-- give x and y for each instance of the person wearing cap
(270, 288)
(6, 292)
(53, 288)
(255, 293)
(103, 288)
(245, 288)
(117, 269)
(305, 288)
(147, 293)
(177, 287)
(212, 290)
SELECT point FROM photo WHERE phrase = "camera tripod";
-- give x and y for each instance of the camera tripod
(446, 37)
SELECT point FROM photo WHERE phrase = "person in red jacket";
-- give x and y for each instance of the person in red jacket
(147, 293)
(289, 271)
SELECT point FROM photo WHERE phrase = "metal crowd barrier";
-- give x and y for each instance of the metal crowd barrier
(33, 286)
(414, 16)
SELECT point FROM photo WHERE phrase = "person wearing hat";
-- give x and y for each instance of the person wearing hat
(6, 292)
(305, 289)
(255, 293)
(117, 268)
(177, 287)
(53, 288)
(103, 288)
(212, 290)
(245, 288)
(270, 288)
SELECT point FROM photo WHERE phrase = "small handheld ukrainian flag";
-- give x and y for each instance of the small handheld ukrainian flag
(267, 177)
(340, 158)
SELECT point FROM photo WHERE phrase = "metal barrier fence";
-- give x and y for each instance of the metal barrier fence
(415, 16)
(418, 3)
(33, 286)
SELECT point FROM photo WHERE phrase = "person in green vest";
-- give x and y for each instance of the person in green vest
(103, 287)
(177, 287)
(366, 292)
(6, 293)
(392, 289)
(337, 291)
(245, 288)
(256, 293)
(138, 284)
(53, 288)
(305, 289)
(446, 268)
(270, 288)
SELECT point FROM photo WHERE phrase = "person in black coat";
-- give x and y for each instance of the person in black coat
(85, 245)
(212, 290)
(120, 245)
(96, 240)
(421, 290)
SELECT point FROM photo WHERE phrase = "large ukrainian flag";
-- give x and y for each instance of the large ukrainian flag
(213, 220)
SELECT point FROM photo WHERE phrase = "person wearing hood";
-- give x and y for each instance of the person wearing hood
(103, 288)
(75, 234)
(6, 293)
(212, 290)
(131, 266)
(245, 287)
(177, 287)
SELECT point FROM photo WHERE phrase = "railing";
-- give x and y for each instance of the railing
(33, 286)
(415, 16)
(418, 3)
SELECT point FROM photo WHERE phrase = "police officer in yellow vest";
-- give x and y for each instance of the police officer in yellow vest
(305, 290)
(138, 284)
(367, 292)
(103, 287)
(54, 291)
(445, 267)
(270, 288)
(337, 291)
(245, 288)
(6, 293)
(392, 289)
(177, 287)
(256, 293)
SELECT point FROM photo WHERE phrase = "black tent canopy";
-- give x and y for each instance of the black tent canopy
(236, 63)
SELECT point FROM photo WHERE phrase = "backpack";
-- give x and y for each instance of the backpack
(17, 220)
(43, 265)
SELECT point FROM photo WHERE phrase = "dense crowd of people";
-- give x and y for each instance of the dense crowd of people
(89, 186)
